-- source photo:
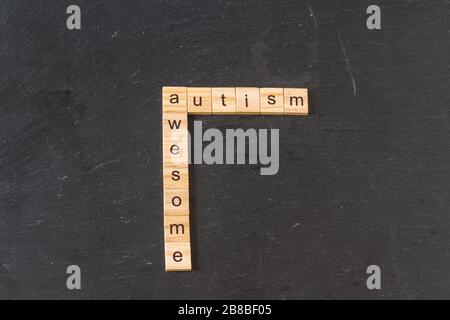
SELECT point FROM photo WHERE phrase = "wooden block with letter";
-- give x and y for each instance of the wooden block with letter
(178, 256)
(176, 202)
(223, 100)
(295, 101)
(174, 99)
(247, 101)
(176, 228)
(199, 100)
(272, 101)
(175, 138)
(176, 176)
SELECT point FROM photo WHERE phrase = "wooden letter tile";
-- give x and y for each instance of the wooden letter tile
(199, 100)
(223, 100)
(247, 101)
(176, 228)
(295, 101)
(178, 256)
(272, 100)
(174, 99)
(176, 202)
(175, 176)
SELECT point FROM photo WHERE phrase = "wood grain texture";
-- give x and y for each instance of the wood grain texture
(272, 101)
(175, 138)
(247, 101)
(223, 100)
(295, 101)
(174, 99)
(176, 202)
(178, 256)
(199, 100)
(176, 229)
(175, 176)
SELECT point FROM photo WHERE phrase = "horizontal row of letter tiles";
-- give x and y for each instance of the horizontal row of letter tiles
(240, 100)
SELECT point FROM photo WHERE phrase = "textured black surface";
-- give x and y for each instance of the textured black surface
(363, 180)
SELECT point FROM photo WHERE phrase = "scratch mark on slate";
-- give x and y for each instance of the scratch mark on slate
(101, 165)
(313, 16)
(295, 225)
(347, 63)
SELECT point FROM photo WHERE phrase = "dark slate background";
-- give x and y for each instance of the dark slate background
(363, 180)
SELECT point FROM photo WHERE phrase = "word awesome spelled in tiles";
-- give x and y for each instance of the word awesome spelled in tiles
(177, 103)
